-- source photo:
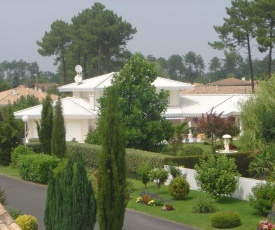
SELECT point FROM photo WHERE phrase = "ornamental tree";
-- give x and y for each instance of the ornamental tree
(141, 106)
(214, 126)
(11, 131)
(217, 176)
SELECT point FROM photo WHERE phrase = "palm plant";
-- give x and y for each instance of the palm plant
(263, 163)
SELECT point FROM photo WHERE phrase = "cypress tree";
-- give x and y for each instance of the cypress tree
(84, 202)
(44, 129)
(58, 141)
(70, 199)
(50, 211)
(111, 197)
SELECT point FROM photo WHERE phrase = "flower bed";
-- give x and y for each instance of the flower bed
(266, 225)
(153, 199)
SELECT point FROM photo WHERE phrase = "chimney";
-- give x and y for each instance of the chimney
(14, 91)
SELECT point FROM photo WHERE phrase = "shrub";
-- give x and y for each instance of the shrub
(143, 173)
(175, 171)
(204, 204)
(225, 219)
(36, 167)
(179, 188)
(14, 213)
(158, 175)
(217, 176)
(190, 150)
(3, 197)
(93, 137)
(18, 151)
(262, 198)
(27, 222)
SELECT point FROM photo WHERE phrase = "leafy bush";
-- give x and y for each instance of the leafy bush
(217, 176)
(190, 150)
(18, 151)
(143, 173)
(35, 167)
(225, 219)
(14, 213)
(27, 222)
(179, 188)
(262, 198)
(158, 175)
(204, 204)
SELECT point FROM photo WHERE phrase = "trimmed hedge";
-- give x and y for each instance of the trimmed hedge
(134, 158)
(36, 167)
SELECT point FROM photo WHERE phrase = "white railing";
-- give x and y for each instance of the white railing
(244, 187)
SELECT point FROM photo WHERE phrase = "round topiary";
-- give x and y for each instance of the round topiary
(27, 222)
(179, 188)
(225, 219)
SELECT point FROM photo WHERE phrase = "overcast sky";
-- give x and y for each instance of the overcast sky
(164, 27)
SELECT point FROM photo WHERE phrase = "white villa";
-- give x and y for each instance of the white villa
(81, 110)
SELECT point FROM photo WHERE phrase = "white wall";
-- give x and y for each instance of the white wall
(242, 192)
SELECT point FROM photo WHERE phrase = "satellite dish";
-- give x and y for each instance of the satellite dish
(78, 68)
(78, 78)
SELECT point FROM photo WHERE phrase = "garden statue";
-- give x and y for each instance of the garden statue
(226, 141)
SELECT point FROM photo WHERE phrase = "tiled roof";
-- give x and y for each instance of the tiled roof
(230, 82)
(45, 86)
(209, 89)
(11, 95)
(6, 221)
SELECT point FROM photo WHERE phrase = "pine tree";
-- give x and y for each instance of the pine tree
(44, 129)
(111, 198)
(58, 141)
(15, 81)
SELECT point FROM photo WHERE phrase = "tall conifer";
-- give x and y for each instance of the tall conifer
(111, 198)
(70, 201)
(44, 129)
(59, 131)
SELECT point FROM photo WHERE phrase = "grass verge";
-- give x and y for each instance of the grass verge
(183, 208)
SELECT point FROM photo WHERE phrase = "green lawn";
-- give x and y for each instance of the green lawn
(182, 212)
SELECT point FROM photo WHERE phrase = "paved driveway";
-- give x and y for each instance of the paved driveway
(30, 198)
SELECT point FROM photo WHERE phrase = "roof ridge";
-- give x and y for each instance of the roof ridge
(111, 75)
(223, 102)
(70, 99)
